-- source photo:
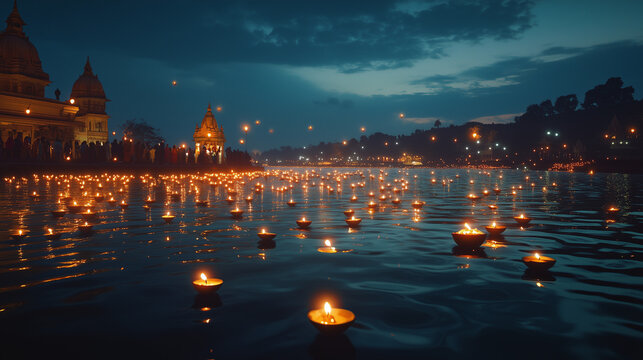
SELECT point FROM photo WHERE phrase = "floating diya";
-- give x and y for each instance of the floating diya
(372, 204)
(292, 203)
(469, 238)
(51, 235)
(353, 222)
(205, 285)
(99, 197)
(349, 212)
(327, 248)
(229, 200)
(85, 228)
(34, 195)
(522, 220)
(58, 213)
(396, 201)
(613, 210)
(303, 223)
(168, 217)
(149, 200)
(201, 203)
(354, 198)
(123, 204)
(473, 196)
(538, 263)
(88, 215)
(266, 236)
(495, 229)
(331, 321)
(493, 206)
(74, 207)
(236, 213)
(249, 199)
(19, 234)
(147, 207)
(485, 192)
(417, 204)
(497, 190)
(111, 201)
(382, 197)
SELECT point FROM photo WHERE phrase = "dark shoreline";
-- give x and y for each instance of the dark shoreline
(13, 169)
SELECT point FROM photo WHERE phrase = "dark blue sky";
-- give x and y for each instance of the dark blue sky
(335, 65)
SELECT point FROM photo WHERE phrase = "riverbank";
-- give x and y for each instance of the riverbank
(15, 169)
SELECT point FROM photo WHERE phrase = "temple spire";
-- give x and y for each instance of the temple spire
(14, 21)
(88, 67)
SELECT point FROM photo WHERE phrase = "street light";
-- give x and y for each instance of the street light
(245, 139)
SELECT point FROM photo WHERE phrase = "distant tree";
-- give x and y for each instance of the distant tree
(609, 94)
(566, 104)
(140, 131)
(547, 108)
(437, 124)
(533, 115)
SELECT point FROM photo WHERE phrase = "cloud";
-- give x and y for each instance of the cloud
(495, 119)
(333, 101)
(424, 120)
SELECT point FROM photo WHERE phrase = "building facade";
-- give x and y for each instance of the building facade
(24, 109)
(209, 137)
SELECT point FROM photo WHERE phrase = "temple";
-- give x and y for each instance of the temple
(25, 112)
(209, 137)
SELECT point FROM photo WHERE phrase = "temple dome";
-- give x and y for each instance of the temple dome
(17, 54)
(87, 85)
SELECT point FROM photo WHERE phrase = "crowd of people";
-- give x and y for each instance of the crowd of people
(19, 149)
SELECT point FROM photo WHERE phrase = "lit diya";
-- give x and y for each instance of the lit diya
(303, 223)
(19, 235)
(327, 248)
(249, 199)
(372, 204)
(147, 207)
(168, 217)
(613, 210)
(538, 263)
(473, 196)
(382, 197)
(495, 229)
(469, 238)
(349, 212)
(266, 236)
(230, 200)
(485, 192)
(236, 213)
(493, 206)
(111, 201)
(497, 190)
(34, 195)
(88, 215)
(99, 197)
(331, 321)
(51, 235)
(522, 220)
(201, 203)
(353, 221)
(417, 204)
(291, 203)
(207, 286)
(149, 200)
(396, 201)
(123, 204)
(58, 213)
(74, 207)
(353, 198)
(85, 228)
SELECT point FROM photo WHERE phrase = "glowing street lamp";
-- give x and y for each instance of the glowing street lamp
(245, 138)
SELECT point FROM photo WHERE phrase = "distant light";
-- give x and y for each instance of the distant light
(548, 132)
(258, 122)
(219, 108)
(556, 134)
(271, 131)
(173, 83)
(402, 115)
(241, 141)
(28, 111)
(310, 127)
(632, 130)
(362, 129)
(72, 101)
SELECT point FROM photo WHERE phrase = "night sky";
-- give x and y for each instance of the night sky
(335, 65)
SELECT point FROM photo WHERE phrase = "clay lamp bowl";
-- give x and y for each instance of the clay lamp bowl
(292, 203)
(111, 201)
(495, 229)
(538, 263)
(348, 213)
(353, 198)
(19, 234)
(149, 200)
(207, 286)
(201, 203)
(236, 213)
(58, 213)
(497, 190)
(168, 218)
(51, 235)
(230, 200)
(473, 197)
(613, 210)
(85, 228)
(328, 248)
(303, 223)
(266, 236)
(331, 321)
(417, 205)
(74, 207)
(485, 192)
(99, 197)
(353, 222)
(232, 192)
(88, 215)
(34, 195)
(469, 238)
(372, 205)
(123, 205)
(249, 199)
(147, 207)
(493, 206)
(370, 194)
(522, 220)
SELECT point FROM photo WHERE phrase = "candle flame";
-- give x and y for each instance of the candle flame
(19, 232)
(51, 231)
(263, 231)
(467, 226)
(327, 308)
(537, 255)
(168, 213)
(303, 219)
(86, 224)
(204, 278)
(493, 224)
(327, 243)
(522, 216)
